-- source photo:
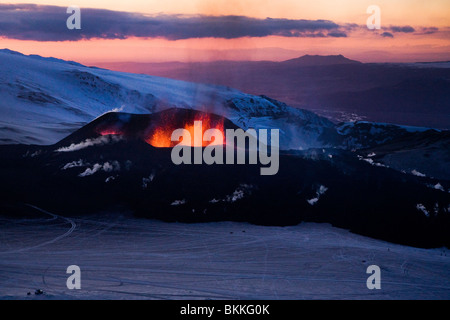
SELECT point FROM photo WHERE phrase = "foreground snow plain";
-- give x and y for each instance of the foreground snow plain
(122, 257)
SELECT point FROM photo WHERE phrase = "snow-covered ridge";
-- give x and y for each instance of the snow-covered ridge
(363, 134)
(38, 57)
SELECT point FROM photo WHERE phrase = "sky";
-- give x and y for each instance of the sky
(205, 30)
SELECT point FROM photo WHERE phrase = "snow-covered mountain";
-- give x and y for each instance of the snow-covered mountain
(45, 99)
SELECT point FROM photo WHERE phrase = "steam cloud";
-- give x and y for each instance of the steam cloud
(319, 192)
(74, 164)
(89, 143)
(107, 167)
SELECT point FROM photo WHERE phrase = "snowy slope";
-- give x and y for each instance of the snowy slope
(425, 152)
(126, 258)
(364, 134)
(45, 99)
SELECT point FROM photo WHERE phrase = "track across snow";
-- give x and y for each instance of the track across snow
(122, 257)
(73, 225)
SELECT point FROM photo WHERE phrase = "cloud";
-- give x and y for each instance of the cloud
(427, 30)
(48, 23)
(404, 29)
(337, 34)
(409, 29)
(387, 35)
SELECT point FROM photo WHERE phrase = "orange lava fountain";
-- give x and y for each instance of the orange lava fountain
(161, 136)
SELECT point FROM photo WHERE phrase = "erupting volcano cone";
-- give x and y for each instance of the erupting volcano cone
(155, 129)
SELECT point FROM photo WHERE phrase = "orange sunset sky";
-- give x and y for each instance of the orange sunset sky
(429, 40)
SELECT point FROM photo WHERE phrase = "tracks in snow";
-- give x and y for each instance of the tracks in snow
(73, 226)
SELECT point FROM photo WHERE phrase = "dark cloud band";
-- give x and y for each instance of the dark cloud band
(48, 23)
(404, 29)
(387, 35)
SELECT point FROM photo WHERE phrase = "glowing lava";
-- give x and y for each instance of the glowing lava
(160, 138)
(193, 134)
(109, 132)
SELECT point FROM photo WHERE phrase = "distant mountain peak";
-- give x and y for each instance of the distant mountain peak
(317, 60)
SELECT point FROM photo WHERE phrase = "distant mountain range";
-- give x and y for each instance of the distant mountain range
(409, 94)
(316, 60)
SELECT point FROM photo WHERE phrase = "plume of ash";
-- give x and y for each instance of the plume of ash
(89, 143)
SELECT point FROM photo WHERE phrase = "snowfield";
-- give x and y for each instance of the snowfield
(122, 257)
